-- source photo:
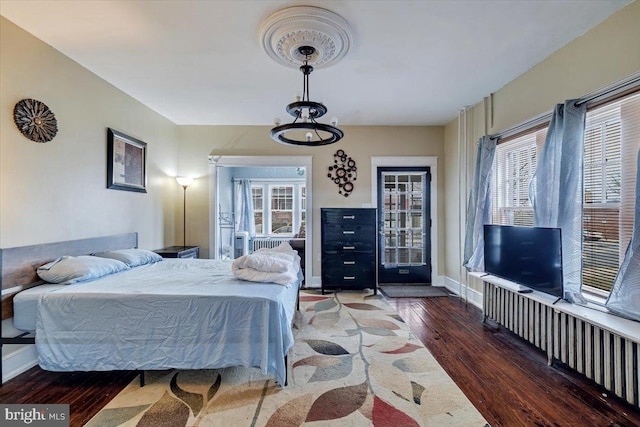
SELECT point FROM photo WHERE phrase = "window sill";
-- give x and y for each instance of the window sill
(596, 301)
(596, 298)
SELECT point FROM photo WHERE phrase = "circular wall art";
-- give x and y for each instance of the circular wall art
(35, 120)
(343, 172)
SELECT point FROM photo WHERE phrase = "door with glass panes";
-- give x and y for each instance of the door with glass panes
(404, 225)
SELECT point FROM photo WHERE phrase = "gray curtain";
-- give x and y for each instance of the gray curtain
(556, 190)
(479, 209)
(244, 220)
(624, 299)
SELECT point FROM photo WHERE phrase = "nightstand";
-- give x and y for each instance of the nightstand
(179, 252)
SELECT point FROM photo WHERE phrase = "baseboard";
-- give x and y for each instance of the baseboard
(473, 296)
(315, 282)
(17, 359)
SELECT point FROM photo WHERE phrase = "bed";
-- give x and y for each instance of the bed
(176, 313)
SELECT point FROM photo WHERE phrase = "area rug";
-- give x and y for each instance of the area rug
(414, 291)
(354, 363)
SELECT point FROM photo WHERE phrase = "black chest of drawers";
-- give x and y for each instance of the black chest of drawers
(348, 248)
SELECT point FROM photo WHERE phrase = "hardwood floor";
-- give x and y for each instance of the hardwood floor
(85, 392)
(506, 378)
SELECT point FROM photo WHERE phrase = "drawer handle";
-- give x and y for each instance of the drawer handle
(348, 232)
(348, 248)
(349, 277)
(348, 217)
(349, 262)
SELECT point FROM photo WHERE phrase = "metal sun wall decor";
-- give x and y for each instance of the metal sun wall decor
(343, 172)
(35, 120)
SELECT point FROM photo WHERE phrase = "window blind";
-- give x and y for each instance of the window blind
(513, 168)
(612, 140)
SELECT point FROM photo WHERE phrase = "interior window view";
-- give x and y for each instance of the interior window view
(260, 208)
(360, 213)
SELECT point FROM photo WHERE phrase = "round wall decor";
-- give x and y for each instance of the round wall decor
(35, 120)
(343, 172)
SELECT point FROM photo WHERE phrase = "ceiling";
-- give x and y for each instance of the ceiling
(411, 63)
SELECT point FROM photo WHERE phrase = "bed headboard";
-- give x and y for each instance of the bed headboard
(18, 265)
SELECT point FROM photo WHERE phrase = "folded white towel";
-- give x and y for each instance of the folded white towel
(278, 265)
(264, 262)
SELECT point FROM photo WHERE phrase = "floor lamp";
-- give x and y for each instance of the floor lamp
(184, 181)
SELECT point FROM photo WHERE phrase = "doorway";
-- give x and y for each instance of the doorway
(404, 225)
(219, 188)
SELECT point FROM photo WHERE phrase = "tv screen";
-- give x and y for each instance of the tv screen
(530, 256)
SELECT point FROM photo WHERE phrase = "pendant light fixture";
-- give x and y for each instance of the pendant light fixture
(306, 37)
(304, 113)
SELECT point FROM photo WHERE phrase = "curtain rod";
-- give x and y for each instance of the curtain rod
(611, 90)
(536, 121)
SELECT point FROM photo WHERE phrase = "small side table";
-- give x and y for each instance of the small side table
(179, 252)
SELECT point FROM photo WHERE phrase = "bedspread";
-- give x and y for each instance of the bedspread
(185, 314)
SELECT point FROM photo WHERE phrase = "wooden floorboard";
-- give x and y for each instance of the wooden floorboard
(506, 378)
(85, 392)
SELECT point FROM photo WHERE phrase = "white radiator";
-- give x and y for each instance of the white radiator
(268, 242)
(610, 359)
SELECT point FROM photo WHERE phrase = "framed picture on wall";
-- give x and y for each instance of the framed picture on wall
(126, 162)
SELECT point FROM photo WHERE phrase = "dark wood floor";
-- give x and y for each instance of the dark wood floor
(85, 392)
(507, 379)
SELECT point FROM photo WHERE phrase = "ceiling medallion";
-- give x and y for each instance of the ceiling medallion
(304, 113)
(287, 30)
(35, 120)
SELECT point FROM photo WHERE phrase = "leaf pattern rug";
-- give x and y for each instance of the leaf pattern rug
(354, 363)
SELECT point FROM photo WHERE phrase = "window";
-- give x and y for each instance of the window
(258, 206)
(612, 141)
(278, 208)
(404, 225)
(513, 168)
(303, 212)
(281, 209)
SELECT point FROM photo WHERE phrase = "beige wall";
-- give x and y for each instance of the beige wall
(57, 191)
(198, 142)
(606, 54)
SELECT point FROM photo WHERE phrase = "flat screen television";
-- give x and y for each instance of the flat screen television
(530, 256)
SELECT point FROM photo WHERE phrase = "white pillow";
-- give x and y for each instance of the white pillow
(68, 269)
(131, 257)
